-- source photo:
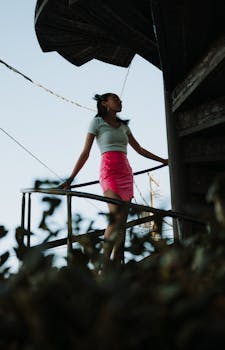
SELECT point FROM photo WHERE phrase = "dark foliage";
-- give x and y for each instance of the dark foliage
(172, 299)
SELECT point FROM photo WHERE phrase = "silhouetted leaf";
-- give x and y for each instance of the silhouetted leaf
(3, 258)
(3, 232)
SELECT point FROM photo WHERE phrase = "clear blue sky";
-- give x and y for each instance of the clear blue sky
(55, 130)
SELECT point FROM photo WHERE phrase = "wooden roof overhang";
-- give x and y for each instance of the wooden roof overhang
(110, 31)
(114, 31)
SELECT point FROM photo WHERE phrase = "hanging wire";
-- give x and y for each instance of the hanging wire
(46, 89)
(125, 81)
(121, 94)
(42, 163)
(30, 153)
(140, 194)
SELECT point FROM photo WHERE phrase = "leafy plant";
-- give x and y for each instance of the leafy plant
(172, 299)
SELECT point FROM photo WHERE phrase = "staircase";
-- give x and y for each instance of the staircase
(191, 43)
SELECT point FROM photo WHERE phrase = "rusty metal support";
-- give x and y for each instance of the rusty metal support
(23, 208)
(69, 227)
(28, 220)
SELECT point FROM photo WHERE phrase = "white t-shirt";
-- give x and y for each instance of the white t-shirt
(108, 137)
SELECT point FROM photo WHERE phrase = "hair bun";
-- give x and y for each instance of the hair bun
(97, 97)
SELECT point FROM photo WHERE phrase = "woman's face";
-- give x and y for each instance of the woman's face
(113, 103)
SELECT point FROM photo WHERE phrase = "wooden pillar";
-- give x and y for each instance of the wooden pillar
(176, 170)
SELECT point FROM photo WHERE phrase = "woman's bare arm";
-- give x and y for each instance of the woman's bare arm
(81, 160)
(142, 151)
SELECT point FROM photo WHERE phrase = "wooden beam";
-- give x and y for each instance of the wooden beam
(199, 73)
(201, 118)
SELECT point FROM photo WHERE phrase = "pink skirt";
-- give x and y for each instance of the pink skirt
(116, 174)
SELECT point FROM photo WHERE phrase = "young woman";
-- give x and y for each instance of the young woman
(116, 178)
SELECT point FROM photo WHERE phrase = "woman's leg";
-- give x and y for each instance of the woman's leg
(115, 232)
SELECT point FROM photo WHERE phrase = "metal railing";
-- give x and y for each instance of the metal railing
(137, 208)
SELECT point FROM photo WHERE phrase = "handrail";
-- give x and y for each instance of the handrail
(69, 194)
(136, 173)
(135, 207)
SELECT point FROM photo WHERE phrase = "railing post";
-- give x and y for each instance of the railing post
(69, 228)
(23, 207)
(28, 220)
